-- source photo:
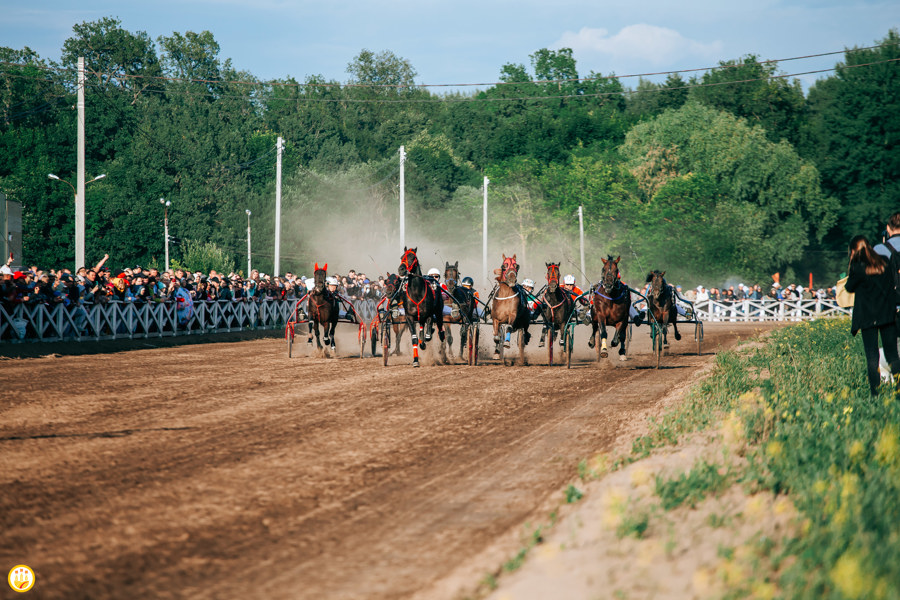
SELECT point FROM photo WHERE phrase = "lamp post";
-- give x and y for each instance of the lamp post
(79, 222)
(167, 204)
(248, 241)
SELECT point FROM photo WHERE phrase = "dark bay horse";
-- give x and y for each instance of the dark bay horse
(610, 304)
(462, 306)
(322, 306)
(422, 303)
(508, 307)
(389, 305)
(557, 305)
(661, 303)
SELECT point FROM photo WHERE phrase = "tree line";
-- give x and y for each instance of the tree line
(735, 172)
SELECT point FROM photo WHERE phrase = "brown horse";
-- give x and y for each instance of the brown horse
(661, 304)
(462, 306)
(322, 306)
(508, 309)
(422, 302)
(610, 304)
(557, 305)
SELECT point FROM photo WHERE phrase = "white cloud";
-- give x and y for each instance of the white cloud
(641, 42)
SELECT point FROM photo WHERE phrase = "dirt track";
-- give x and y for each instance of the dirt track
(227, 470)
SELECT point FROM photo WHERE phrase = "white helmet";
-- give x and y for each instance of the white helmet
(569, 280)
(331, 281)
(434, 271)
(528, 283)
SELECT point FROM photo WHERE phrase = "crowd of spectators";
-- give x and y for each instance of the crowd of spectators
(736, 293)
(100, 284)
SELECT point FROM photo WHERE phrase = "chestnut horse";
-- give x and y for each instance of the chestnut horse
(661, 304)
(556, 306)
(422, 303)
(322, 306)
(610, 304)
(508, 307)
(461, 299)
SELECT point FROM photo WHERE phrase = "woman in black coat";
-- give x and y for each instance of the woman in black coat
(873, 307)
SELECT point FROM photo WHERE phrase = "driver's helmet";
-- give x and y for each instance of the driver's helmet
(468, 282)
(569, 280)
(433, 272)
(331, 281)
(528, 283)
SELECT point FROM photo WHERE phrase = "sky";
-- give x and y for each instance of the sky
(466, 42)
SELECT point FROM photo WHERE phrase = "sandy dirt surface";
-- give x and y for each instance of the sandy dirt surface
(228, 470)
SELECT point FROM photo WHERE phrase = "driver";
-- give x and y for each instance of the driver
(569, 287)
(331, 284)
(533, 304)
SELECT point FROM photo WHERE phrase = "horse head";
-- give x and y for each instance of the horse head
(610, 274)
(451, 276)
(409, 263)
(552, 276)
(319, 276)
(509, 270)
(658, 286)
(391, 283)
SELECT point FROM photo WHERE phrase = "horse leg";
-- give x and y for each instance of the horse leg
(497, 340)
(604, 351)
(675, 327)
(621, 333)
(333, 328)
(415, 340)
(429, 330)
(309, 339)
(398, 333)
(592, 341)
(318, 339)
(523, 339)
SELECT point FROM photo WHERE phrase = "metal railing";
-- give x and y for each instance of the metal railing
(128, 320)
(120, 320)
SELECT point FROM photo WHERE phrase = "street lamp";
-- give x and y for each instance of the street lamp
(248, 241)
(79, 221)
(167, 204)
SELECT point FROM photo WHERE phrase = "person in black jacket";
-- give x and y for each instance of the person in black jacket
(873, 307)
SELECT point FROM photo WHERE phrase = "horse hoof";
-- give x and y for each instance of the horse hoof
(591, 343)
(415, 364)
(623, 358)
(541, 344)
(496, 356)
(422, 346)
(604, 354)
(614, 343)
(677, 336)
(506, 344)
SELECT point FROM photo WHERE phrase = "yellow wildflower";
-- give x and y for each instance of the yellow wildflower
(887, 448)
(856, 450)
(848, 576)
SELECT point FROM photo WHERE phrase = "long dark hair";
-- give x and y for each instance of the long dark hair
(861, 251)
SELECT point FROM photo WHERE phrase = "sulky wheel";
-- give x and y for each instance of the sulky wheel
(289, 335)
(698, 335)
(373, 340)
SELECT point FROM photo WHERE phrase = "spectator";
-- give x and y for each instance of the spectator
(873, 307)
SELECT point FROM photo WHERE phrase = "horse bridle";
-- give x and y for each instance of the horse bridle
(409, 266)
(509, 264)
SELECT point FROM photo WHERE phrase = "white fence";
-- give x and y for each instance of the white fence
(769, 310)
(117, 320)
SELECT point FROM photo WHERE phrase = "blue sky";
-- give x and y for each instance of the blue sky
(468, 42)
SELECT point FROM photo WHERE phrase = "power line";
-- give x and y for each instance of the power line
(272, 83)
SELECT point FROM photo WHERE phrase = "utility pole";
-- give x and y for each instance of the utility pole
(402, 197)
(248, 241)
(484, 233)
(276, 272)
(166, 204)
(79, 192)
(581, 232)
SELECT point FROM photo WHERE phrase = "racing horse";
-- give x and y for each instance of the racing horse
(461, 299)
(391, 285)
(557, 305)
(661, 304)
(421, 302)
(508, 308)
(610, 305)
(322, 306)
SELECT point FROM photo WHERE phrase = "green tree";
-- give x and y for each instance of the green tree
(854, 136)
(763, 195)
(751, 89)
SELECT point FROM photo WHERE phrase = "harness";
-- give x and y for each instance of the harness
(617, 298)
